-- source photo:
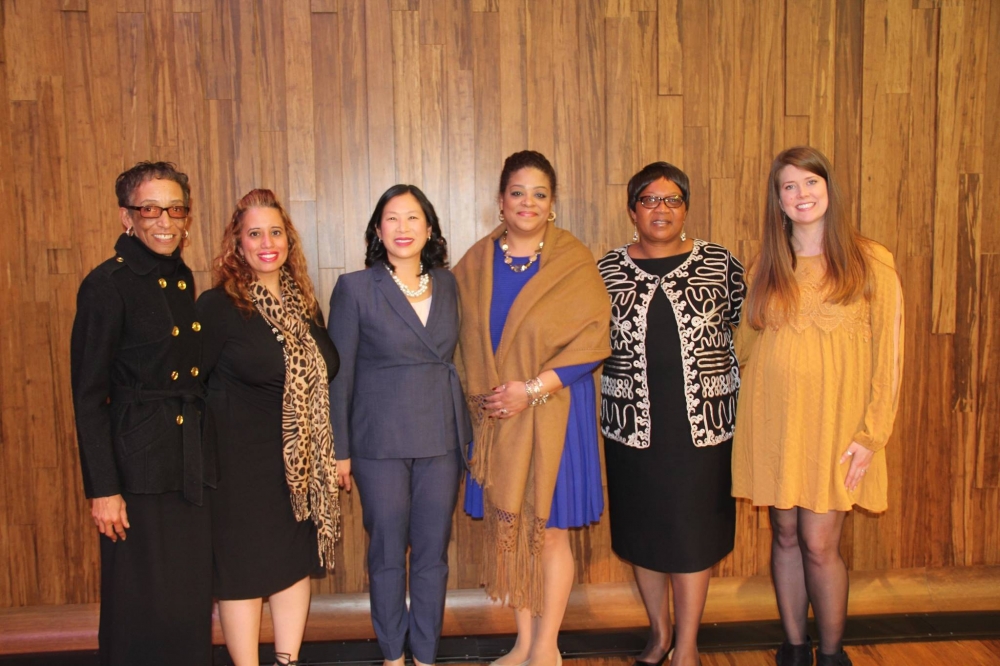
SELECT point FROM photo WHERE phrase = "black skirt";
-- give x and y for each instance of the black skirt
(670, 505)
(156, 585)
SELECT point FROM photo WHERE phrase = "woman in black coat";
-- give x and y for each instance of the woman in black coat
(135, 355)
(269, 361)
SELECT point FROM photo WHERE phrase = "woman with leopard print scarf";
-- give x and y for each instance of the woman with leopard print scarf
(269, 361)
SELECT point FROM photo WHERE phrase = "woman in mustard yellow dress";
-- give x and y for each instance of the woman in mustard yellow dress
(821, 353)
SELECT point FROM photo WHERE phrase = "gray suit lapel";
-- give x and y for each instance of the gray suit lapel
(404, 309)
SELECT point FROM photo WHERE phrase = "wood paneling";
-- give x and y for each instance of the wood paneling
(331, 101)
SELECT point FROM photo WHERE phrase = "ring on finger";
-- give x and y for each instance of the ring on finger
(503, 411)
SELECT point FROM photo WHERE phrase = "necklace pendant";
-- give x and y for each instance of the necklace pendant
(509, 260)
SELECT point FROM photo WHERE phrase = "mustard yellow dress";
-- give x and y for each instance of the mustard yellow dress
(813, 385)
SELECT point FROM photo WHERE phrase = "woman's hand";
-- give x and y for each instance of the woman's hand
(860, 458)
(508, 399)
(344, 474)
(110, 517)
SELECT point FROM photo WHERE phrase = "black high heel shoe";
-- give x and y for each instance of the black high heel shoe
(666, 655)
(795, 655)
(284, 659)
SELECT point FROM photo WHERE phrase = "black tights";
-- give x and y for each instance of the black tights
(807, 567)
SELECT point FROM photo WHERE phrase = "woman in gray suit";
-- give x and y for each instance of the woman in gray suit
(399, 418)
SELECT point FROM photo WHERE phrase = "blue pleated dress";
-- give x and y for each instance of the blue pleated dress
(578, 499)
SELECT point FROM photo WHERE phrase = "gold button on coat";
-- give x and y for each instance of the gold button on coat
(175, 331)
(195, 327)
(182, 285)
(194, 371)
(119, 260)
(163, 283)
(174, 375)
(180, 420)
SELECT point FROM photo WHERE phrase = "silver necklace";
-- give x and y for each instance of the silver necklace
(507, 259)
(425, 281)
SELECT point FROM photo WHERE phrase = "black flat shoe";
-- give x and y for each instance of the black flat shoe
(795, 655)
(839, 659)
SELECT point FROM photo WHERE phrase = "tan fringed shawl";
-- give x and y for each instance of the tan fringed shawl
(560, 318)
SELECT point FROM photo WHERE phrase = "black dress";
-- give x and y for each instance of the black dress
(259, 548)
(669, 504)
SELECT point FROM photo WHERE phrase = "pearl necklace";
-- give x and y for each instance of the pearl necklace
(425, 281)
(507, 259)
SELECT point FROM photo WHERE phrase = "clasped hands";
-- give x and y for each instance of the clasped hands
(508, 399)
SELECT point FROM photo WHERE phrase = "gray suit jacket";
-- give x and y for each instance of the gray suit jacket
(397, 394)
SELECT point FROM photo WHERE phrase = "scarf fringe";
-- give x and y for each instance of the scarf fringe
(483, 428)
(512, 558)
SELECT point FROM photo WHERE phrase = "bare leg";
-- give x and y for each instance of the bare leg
(289, 610)
(825, 574)
(788, 574)
(240, 619)
(558, 572)
(522, 646)
(690, 593)
(654, 587)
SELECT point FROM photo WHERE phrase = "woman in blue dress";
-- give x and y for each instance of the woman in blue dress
(535, 318)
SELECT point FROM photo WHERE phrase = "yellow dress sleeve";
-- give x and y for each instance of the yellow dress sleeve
(887, 352)
(743, 341)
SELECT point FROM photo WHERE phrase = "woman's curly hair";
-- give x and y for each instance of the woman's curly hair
(230, 270)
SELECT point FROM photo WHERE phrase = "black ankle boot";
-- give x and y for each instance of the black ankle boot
(839, 659)
(795, 655)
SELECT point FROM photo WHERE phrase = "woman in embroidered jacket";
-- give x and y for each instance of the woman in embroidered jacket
(669, 397)
(268, 359)
(821, 351)
(534, 320)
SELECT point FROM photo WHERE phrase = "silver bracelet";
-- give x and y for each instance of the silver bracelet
(533, 387)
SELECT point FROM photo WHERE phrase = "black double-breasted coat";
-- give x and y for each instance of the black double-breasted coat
(137, 388)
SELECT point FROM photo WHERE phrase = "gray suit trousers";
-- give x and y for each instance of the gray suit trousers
(408, 502)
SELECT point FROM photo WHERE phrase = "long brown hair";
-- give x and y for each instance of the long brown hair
(773, 294)
(232, 273)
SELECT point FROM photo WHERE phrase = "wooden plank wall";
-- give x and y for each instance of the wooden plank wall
(328, 102)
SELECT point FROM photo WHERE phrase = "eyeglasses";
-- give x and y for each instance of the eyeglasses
(154, 212)
(652, 202)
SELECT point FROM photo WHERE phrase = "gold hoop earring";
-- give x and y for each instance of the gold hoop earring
(552, 216)
(501, 217)
(185, 234)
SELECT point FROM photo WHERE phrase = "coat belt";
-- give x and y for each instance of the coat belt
(191, 400)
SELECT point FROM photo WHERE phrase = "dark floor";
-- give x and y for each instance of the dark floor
(587, 646)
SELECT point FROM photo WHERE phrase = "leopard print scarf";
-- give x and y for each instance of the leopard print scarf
(307, 439)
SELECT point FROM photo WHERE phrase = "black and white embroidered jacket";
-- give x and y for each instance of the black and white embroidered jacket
(706, 293)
